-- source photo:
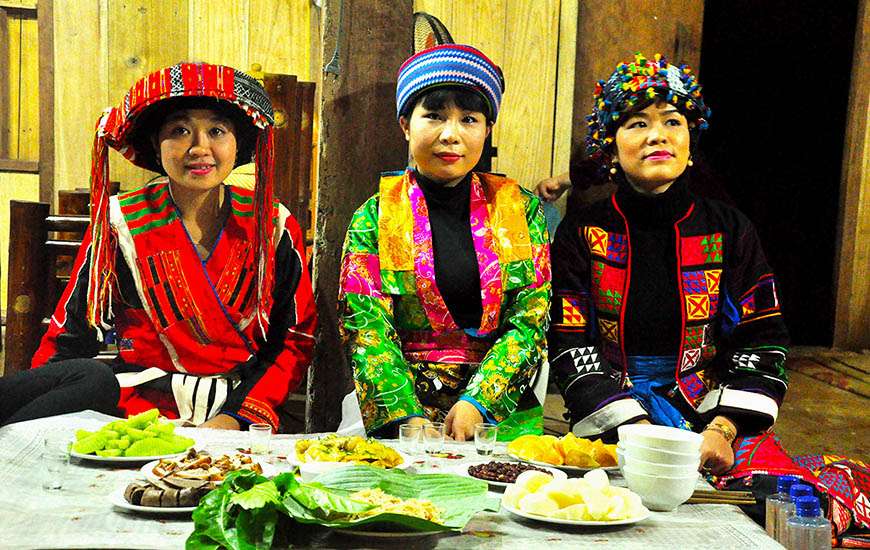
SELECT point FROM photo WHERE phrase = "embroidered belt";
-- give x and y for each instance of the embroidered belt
(449, 347)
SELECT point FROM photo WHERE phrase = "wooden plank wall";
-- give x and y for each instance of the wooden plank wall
(13, 186)
(852, 318)
(102, 47)
(20, 123)
(533, 42)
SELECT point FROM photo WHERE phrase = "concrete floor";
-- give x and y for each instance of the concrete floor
(814, 418)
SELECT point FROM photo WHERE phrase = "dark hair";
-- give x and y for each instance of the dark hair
(434, 99)
(148, 124)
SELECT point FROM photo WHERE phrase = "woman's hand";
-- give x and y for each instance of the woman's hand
(461, 419)
(717, 455)
(417, 421)
(551, 189)
(221, 422)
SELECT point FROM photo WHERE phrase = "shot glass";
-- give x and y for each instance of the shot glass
(484, 438)
(433, 437)
(55, 461)
(260, 438)
(409, 438)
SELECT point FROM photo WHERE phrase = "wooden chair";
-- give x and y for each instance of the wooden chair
(42, 249)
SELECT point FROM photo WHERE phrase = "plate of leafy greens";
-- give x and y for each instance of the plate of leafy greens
(250, 509)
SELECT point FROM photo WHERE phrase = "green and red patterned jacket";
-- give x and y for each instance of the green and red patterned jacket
(194, 320)
(395, 321)
(732, 338)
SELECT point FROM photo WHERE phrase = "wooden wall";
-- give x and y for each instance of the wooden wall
(533, 42)
(101, 47)
(19, 99)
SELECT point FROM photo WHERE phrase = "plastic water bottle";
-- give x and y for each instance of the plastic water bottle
(787, 510)
(807, 529)
(773, 503)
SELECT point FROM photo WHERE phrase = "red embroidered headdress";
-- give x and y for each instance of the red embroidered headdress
(129, 127)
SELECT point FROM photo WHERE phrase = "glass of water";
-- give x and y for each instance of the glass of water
(433, 437)
(409, 437)
(261, 438)
(484, 438)
(55, 460)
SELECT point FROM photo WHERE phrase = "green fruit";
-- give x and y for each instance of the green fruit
(110, 452)
(151, 446)
(81, 434)
(142, 420)
(90, 444)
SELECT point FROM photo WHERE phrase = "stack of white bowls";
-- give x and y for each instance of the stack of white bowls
(659, 463)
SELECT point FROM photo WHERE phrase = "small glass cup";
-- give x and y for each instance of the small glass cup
(55, 459)
(260, 438)
(433, 437)
(484, 438)
(409, 437)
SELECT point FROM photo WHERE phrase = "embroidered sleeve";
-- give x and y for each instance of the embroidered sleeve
(283, 359)
(383, 379)
(751, 361)
(509, 367)
(590, 386)
(68, 335)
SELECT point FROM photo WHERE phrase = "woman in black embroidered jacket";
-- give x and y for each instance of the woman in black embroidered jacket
(664, 308)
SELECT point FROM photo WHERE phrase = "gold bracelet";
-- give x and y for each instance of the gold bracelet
(726, 431)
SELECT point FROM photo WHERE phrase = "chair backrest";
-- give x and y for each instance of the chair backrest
(42, 249)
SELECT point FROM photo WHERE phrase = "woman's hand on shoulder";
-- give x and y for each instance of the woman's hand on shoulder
(221, 422)
(550, 189)
(461, 419)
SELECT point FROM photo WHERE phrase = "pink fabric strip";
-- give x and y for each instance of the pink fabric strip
(454, 347)
(491, 290)
(541, 255)
(424, 263)
(361, 274)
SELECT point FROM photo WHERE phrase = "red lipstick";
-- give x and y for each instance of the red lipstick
(659, 155)
(448, 157)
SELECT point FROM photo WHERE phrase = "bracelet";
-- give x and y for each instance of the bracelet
(726, 431)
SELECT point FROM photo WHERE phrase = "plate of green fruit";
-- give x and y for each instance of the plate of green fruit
(140, 438)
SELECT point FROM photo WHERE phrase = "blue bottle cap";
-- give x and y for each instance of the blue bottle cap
(807, 507)
(784, 483)
(800, 490)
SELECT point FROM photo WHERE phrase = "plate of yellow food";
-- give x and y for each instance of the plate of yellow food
(569, 452)
(586, 501)
(352, 449)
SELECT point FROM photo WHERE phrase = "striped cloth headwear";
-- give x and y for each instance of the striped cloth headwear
(449, 65)
(633, 82)
(119, 128)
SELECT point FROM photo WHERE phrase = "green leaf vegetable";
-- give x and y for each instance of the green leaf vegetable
(246, 510)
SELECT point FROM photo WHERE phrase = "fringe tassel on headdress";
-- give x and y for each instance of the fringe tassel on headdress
(101, 278)
(264, 212)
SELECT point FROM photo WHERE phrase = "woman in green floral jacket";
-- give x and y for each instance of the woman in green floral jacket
(445, 276)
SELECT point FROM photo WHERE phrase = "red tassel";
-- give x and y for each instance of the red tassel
(101, 277)
(264, 225)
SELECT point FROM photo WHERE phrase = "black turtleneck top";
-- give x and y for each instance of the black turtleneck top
(457, 274)
(652, 310)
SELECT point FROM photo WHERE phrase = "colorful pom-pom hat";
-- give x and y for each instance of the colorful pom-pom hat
(129, 129)
(635, 82)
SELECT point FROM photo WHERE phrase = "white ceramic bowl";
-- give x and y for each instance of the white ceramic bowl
(659, 456)
(659, 469)
(310, 470)
(660, 437)
(658, 492)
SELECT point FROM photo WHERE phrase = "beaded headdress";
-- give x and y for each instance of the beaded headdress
(637, 81)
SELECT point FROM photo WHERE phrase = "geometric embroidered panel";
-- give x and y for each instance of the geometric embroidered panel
(746, 360)
(586, 359)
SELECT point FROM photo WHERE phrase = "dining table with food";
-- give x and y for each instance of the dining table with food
(87, 480)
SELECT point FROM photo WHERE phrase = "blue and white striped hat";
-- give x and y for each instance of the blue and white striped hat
(450, 65)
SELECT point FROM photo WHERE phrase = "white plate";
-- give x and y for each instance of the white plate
(117, 499)
(579, 522)
(292, 459)
(148, 470)
(462, 470)
(122, 459)
(564, 467)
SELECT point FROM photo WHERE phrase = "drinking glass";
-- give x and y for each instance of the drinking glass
(409, 437)
(55, 460)
(261, 438)
(433, 437)
(484, 438)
